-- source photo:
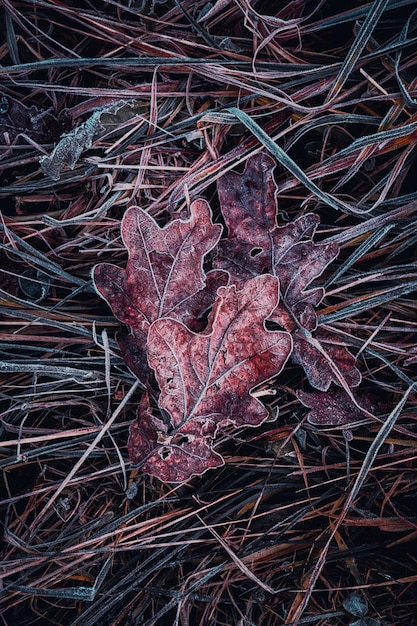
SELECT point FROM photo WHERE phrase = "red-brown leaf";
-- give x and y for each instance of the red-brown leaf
(297, 267)
(256, 245)
(164, 274)
(206, 379)
(335, 407)
(325, 360)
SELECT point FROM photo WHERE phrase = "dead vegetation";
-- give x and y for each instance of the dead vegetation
(106, 105)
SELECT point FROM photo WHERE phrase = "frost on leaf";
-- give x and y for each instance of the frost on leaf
(336, 408)
(164, 276)
(69, 148)
(325, 360)
(257, 245)
(200, 379)
(205, 379)
(71, 145)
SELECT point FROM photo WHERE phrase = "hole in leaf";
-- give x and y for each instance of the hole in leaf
(180, 440)
(272, 325)
(255, 251)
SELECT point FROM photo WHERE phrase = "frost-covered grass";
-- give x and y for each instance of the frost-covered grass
(167, 98)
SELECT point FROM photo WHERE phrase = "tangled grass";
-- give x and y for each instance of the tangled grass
(167, 96)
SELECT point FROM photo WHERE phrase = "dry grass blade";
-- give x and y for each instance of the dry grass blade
(353, 493)
(375, 12)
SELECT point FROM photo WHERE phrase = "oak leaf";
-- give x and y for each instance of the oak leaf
(336, 408)
(164, 276)
(206, 378)
(256, 245)
(325, 360)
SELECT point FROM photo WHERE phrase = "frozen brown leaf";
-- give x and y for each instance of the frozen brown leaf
(71, 145)
(206, 379)
(256, 245)
(164, 275)
(324, 359)
(336, 408)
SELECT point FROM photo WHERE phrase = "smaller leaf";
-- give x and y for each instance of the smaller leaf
(325, 360)
(335, 407)
(296, 269)
(71, 145)
(256, 245)
(69, 148)
(248, 202)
